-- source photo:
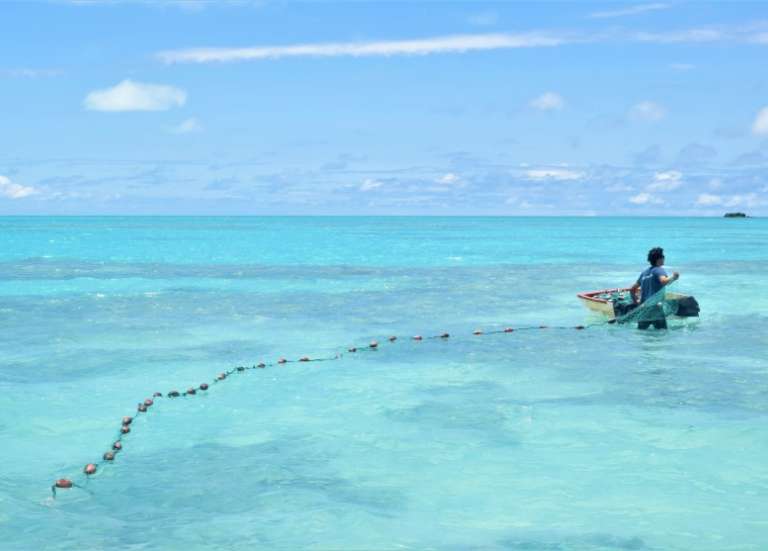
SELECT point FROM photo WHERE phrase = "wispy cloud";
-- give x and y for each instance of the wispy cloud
(553, 174)
(549, 101)
(187, 5)
(696, 154)
(666, 181)
(750, 33)
(651, 155)
(369, 184)
(629, 10)
(685, 36)
(135, 96)
(708, 200)
(645, 198)
(760, 126)
(30, 73)
(426, 46)
(188, 126)
(751, 158)
(754, 33)
(449, 179)
(682, 66)
(647, 111)
(12, 190)
(738, 200)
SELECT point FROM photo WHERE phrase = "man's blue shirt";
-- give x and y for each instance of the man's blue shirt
(650, 281)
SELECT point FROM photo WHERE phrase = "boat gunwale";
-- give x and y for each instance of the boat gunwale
(589, 295)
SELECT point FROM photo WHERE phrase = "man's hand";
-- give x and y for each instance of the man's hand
(666, 280)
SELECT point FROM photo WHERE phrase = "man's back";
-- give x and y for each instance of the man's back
(650, 281)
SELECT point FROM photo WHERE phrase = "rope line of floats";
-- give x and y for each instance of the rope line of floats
(143, 407)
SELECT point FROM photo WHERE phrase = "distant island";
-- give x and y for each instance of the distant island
(735, 215)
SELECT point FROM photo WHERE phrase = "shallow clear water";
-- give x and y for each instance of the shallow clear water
(608, 438)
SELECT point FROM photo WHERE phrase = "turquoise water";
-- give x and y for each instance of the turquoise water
(608, 438)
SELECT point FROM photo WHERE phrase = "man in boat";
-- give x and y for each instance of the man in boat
(650, 282)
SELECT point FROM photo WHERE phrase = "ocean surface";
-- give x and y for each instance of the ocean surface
(608, 438)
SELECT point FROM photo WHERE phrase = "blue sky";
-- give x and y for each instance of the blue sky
(244, 107)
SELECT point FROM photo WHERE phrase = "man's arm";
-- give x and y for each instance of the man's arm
(666, 280)
(633, 291)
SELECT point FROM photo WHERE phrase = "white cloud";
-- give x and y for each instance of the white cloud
(707, 200)
(645, 199)
(473, 42)
(666, 181)
(449, 179)
(549, 101)
(13, 190)
(647, 111)
(715, 183)
(669, 175)
(188, 126)
(425, 46)
(760, 126)
(553, 174)
(370, 184)
(629, 10)
(135, 96)
(682, 66)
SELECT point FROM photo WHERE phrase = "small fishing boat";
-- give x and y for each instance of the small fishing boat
(618, 302)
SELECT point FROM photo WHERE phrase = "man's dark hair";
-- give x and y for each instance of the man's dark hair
(654, 254)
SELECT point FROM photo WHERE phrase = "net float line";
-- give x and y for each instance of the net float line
(143, 407)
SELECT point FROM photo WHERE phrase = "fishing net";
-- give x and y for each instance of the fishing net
(655, 309)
